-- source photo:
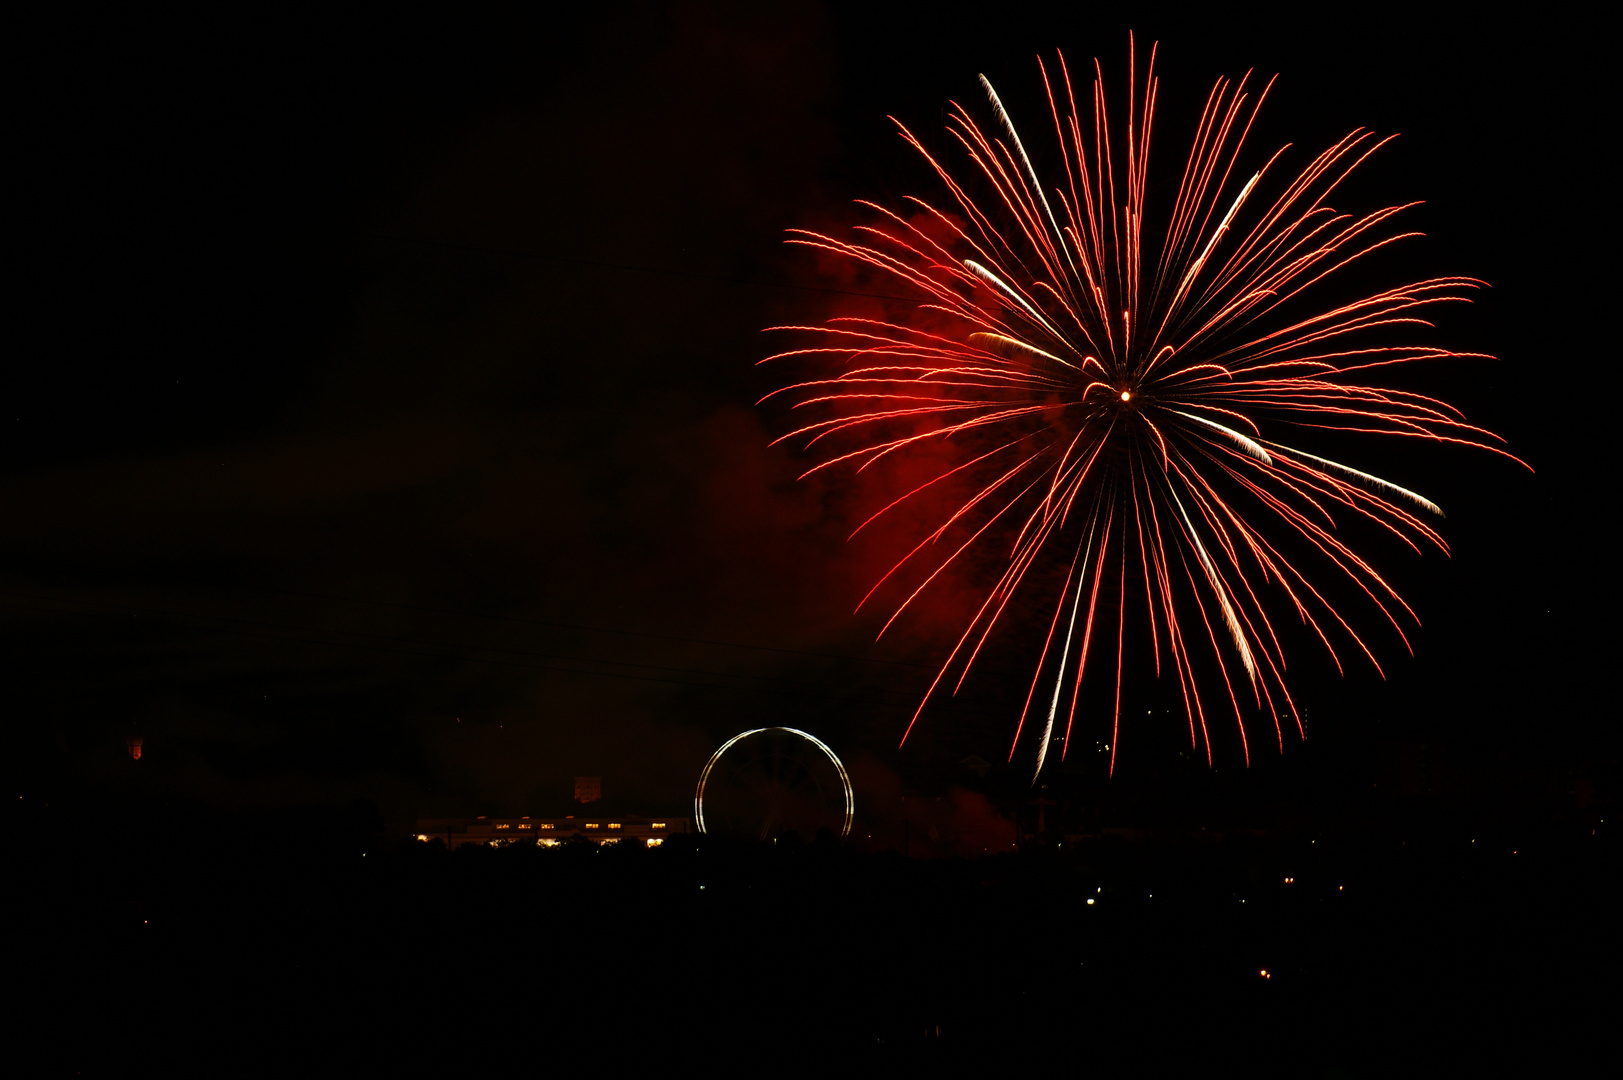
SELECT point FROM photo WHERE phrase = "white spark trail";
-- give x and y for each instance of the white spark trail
(1383, 485)
(1245, 442)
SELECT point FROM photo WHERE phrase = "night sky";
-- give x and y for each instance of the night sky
(379, 415)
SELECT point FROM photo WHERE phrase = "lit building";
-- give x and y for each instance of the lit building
(600, 829)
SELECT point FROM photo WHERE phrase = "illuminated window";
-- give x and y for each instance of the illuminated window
(524, 826)
(420, 836)
(591, 824)
(659, 824)
(547, 826)
(614, 824)
(655, 841)
(503, 826)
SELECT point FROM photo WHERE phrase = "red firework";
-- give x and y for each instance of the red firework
(1117, 406)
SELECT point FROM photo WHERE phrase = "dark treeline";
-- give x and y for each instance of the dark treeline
(188, 942)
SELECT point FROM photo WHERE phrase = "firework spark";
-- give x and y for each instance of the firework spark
(1117, 405)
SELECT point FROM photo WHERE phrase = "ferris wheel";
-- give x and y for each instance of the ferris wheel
(771, 780)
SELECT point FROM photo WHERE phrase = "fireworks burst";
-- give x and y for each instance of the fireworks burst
(1115, 390)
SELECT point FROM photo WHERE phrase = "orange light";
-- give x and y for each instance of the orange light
(1264, 974)
(1127, 395)
(1290, 880)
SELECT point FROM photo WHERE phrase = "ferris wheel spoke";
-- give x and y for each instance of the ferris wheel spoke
(770, 781)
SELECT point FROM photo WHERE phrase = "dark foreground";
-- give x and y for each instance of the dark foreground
(278, 948)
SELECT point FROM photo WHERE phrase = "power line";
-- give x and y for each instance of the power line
(591, 629)
(282, 632)
(601, 264)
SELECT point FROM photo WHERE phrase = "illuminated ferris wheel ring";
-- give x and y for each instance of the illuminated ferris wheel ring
(839, 767)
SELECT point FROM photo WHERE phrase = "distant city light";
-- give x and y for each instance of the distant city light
(1090, 900)
(1264, 973)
